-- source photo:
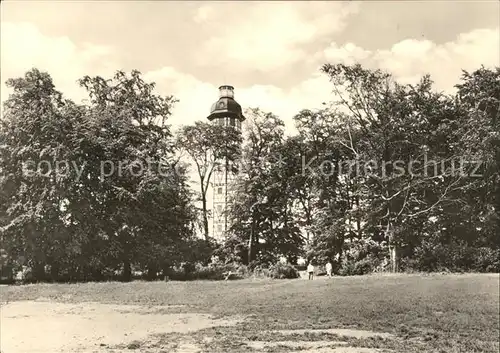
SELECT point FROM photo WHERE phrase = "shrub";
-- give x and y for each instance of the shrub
(261, 272)
(486, 260)
(454, 257)
(366, 265)
(219, 271)
(214, 271)
(283, 271)
(362, 257)
(347, 267)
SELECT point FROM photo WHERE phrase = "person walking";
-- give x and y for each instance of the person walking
(310, 270)
(329, 268)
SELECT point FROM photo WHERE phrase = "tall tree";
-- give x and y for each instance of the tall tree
(478, 141)
(400, 125)
(129, 136)
(107, 195)
(264, 227)
(35, 132)
(208, 146)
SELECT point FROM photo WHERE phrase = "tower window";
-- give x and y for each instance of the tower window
(233, 122)
(226, 91)
(219, 190)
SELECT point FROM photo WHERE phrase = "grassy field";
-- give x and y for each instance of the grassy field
(435, 313)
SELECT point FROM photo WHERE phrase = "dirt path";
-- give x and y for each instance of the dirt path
(47, 327)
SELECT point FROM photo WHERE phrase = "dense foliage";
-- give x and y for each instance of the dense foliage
(91, 190)
(386, 177)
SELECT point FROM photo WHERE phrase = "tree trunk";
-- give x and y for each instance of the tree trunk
(338, 263)
(250, 242)
(151, 274)
(205, 214)
(307, 212)
(309, 224)
(54, 271)
(394, 259)
(72, 274)
(127, 271)
(497, 199)
(358, 214)
(97, 274)
(255, 245)
(165, 269)
(349, 209)
(39, 272)
(392, 248)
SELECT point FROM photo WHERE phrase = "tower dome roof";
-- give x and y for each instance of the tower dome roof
(226, 106)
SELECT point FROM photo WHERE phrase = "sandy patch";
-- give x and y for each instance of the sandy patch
(186, 347)
(260, 345)
(49, 327)
(310, 346)
(343, 350)
(338, 331)
(320, 346)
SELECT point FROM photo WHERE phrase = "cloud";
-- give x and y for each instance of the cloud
(203, 13)
(410, 59)
(272, 35)
(348, 54)
(24, 47)
(195, 97)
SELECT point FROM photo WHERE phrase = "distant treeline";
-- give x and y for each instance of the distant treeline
(388, 177)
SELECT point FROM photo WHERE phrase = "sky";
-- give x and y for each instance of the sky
(270, 51)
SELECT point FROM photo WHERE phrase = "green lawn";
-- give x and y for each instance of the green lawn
(435, 313)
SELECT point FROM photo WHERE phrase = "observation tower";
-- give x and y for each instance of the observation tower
(226, 112)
